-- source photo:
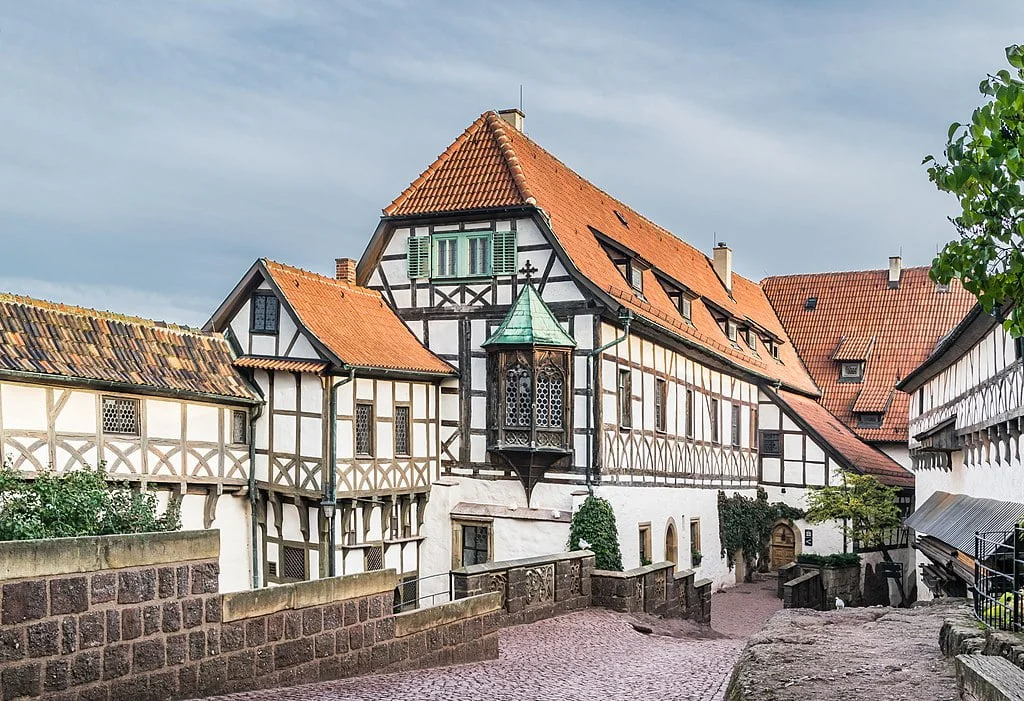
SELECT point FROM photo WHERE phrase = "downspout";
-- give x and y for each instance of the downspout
(253, 496)
(625, 316)
(331, 487)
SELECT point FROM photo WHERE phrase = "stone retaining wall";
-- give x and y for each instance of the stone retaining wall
(805, 585)
(803, 592)
(532, 588)
(140, 617)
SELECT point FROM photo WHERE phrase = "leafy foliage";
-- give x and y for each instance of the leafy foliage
(865, 507)
(833, 560)
(745, 525)
(594, 524)
(984, 169)
(76, 503)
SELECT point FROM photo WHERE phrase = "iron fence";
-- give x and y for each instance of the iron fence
(408, 595)
(999, 578)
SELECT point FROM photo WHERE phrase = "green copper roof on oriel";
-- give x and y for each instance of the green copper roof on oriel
(530, 323)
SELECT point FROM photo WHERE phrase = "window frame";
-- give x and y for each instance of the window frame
(732, 331)
(761, 435)
(459, 544)
(660, 405)
(695, 538)
(645, 543)
(624, 395)
(245, 427)
(370, 429)
(856, 377)
(407, 408)
(736, 415)
(863, 422)
(264, 331)
(689, 413)
(714, 408)
(134, 401)
(462, 242)
(686, 307)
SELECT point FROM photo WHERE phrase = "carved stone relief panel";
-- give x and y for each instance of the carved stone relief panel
(540, 585)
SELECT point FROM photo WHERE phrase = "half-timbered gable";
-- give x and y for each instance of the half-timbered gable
(670, 350)
(153, 403)
(342, 377)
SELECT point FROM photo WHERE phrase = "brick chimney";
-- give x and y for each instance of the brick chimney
(345, 270)
(513, 116)
(722, 263)
(895, 271)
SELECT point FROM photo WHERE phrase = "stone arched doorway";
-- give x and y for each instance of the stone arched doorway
(783, 545)
(671, 544)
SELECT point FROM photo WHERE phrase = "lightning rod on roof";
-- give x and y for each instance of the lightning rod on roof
(520, 97)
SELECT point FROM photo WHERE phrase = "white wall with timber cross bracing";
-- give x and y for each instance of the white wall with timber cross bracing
(179, 448)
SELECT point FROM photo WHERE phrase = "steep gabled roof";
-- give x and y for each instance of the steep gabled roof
(494, 165)
(845, 445)
(859, 317)
(59, 341)
(353, 323)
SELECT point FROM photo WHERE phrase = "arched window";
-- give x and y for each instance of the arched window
(518, 396)
(550, 398)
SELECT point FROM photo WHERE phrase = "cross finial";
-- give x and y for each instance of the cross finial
(528, 270)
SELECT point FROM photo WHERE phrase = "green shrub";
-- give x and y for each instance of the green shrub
(79, 502)
(833, 560)
(594, 523)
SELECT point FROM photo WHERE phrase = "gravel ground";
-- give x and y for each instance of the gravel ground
(848, 655)
(592, 654)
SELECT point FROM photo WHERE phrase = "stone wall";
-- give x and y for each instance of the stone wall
(532, 588)
(817, 587)
(804, 592)
(650, 589)
(140, 617)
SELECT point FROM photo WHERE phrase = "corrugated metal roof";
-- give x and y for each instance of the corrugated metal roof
(955, 518)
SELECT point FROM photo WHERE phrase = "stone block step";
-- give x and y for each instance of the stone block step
(988, 678)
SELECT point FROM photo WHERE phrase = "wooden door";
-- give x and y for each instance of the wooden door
(783, 545)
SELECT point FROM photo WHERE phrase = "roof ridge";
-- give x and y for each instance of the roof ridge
(497, 126)
(74, 310)
(840, 272)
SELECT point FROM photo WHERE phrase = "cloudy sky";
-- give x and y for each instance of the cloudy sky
(150, 151)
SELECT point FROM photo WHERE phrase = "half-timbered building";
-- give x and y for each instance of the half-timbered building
(346, 443)
(596, 351)
(157, 405)
(966, 420)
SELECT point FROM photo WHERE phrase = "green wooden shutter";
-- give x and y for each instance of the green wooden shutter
(504, 258)
(418, 256)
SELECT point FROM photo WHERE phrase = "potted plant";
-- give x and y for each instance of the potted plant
(696, 557)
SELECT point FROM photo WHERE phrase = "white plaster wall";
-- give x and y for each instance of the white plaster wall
(232, 520)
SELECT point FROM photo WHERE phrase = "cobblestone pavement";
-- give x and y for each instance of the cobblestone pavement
(592, 654)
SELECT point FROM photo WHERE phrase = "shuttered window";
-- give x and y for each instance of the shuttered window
(419, 256)
(505, 260)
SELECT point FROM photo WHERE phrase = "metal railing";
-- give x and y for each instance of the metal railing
(999, 578)
(414, 586)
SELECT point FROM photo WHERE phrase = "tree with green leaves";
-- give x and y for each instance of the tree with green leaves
(593, 528)
(76, 503)
(984, 169)
(867, 512)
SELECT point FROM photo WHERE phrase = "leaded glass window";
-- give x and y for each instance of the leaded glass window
(518, 396)
(550, 399)
(121, 415)
(402, 431)
(294, 563)
(265, 313)
(475, 545)
(239, 427)
(364, 429)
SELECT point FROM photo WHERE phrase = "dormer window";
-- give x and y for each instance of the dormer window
(851, 372)
(773, 348)
(869, 420)
(686, 307)
(752, 339)
(636, 277)
(266, 310)
(731, 330)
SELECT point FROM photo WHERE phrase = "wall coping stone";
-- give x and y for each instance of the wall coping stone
(418, 620)
(23, 559)
(635, 572)
(802, 578)
(523, 562)
(703, 583)
(296, 595)
(683, 574)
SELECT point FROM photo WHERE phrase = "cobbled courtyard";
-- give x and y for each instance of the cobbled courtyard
(593, 654)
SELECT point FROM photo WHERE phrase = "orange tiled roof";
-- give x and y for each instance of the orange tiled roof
(353, 322)
(257, 362)
(905, 324)
(492, 164)
(853, 348)
(50, 339)
(862, 457)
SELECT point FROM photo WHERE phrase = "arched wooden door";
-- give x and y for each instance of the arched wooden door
(783, 545)
(671, 544)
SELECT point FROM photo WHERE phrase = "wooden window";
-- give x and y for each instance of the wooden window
(753, 428)
(469, 254)
(240, 427)
(689, 413)
(851, 372)
(731, 330)
(518, 396)
(686, 307)
(645, 544)
(402, 431)
(752, 339)
(418, 257)
(636, 278)
(695, 553)
(550, 398)
(713, 410)
(294, 563)
(771, 444)
(475, 543)
(660, 404)
(364, 429)
(446, 256)
(625, 397)
(266, 310)
(735, 427)
(121, 416)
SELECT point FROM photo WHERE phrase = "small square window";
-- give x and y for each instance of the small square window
(811, 304)
(771, 446)
(373, 558)
(851, 372)
(476, 544)
(294, 563)
(121, 416)
(265, 313)
(240, 428)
